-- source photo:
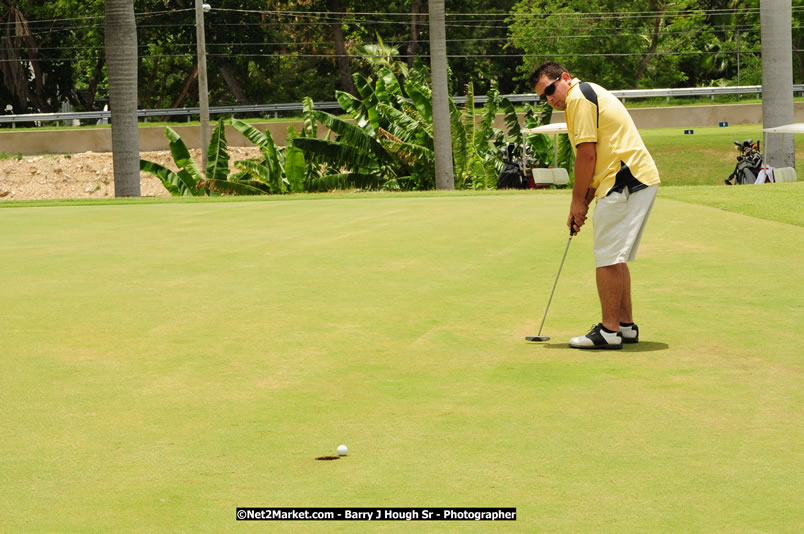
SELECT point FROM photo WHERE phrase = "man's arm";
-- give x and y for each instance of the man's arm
(585, 158)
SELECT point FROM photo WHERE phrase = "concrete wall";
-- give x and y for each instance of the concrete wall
(153, 138)
(697, 116)
(100, 139)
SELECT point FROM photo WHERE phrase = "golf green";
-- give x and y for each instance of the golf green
(167, 363)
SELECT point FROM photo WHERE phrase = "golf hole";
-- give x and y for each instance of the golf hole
(328, 458)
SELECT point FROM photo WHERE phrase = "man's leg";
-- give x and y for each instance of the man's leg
(626, 313)
(612, 282)
(628, 329)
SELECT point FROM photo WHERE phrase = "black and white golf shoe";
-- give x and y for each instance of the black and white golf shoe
(598, 338)
(630, 333)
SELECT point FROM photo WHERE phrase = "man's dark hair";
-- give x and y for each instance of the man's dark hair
(551, 69)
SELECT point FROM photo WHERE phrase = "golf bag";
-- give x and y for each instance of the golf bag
(512, 175)
(749, 163)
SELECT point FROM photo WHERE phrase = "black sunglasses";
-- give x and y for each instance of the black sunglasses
(550, 89)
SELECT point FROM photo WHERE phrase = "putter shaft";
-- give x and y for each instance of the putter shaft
(555, 284)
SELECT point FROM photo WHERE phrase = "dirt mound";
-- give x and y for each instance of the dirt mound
(85, 175)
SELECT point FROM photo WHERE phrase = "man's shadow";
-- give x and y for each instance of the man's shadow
(642, 346)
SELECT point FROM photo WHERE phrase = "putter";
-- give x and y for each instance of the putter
(539, 336)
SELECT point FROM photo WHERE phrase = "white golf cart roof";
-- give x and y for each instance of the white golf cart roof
(795, 128)
(548, 129)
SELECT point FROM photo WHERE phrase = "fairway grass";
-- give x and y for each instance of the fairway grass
(165, 363)
(774, 202)
(708, 156)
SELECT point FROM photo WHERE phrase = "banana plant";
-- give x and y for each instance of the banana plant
(482, 160)
(183, 182)
(354, 159)
(189, 180)
(392, 138)
(268, 170)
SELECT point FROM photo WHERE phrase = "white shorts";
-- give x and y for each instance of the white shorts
(619, 222)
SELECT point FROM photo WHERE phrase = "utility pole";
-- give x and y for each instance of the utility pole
(776, 19)
(203, 91)
(442, 136)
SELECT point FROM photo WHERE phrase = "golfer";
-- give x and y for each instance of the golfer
(612, 166)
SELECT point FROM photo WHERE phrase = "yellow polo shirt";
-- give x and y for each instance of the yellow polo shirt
(617, 139)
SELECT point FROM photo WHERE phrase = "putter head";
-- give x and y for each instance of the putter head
(537, 338)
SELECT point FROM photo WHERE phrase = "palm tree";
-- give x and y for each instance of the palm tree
(121, 60)
(441, 125)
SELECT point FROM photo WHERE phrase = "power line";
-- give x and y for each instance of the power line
(404, 56)
(503, 39)
(320, 17)
(69, 19)
(498, 13)
(350, 17)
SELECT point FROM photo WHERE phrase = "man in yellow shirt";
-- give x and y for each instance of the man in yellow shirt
(612, 166)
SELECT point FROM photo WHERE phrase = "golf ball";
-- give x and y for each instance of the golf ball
(343, 450)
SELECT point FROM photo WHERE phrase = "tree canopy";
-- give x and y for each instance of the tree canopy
(276, 51)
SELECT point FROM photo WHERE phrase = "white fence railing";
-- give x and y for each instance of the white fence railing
(145, 114)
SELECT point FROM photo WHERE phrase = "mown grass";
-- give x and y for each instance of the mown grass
(774, 202)
(167, 362)
(707, 157)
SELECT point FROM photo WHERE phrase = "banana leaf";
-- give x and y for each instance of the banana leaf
(383, 96)
(262, 174)
(169, 179)
(348, 132)
(225, 187)
(566, 156)
(217, 155)
(484, 174)
(486, 131)
(352, 180)
(460, 146)
(352, 135)
(354, 107)
(256, 184)
(422, 98)
(185, 162)
(336, 154)
(264, 141)
(310, 125)
(469, 114)
(251, 133)
(295, 169)
(391, 82)
(363, 85)
(369, 103)
(411, 111)
(512, 122)
(541, 149)
(402, 125)
(411, 153)
(349, 103)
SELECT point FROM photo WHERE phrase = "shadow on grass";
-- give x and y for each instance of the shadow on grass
(646, 346)
(642, 346)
